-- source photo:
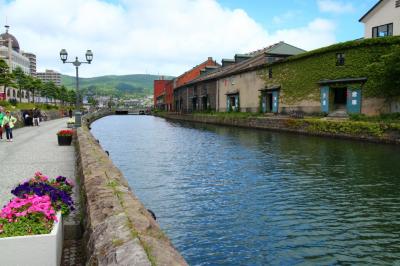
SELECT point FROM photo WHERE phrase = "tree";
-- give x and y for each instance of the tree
(6, 78)
(387, 72)
(63, 94)
(21, 81)
(37, 86)
(71, 97)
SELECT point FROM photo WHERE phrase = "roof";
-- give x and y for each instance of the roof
(279, 48)
(369, 11)
(258, 60)
(345, 80)
(14, 42)
(251, 63)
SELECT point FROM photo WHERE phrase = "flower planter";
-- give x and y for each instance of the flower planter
(64, 140)
(70, 125)
(34, 249)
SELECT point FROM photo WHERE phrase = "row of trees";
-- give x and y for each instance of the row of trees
(49, 90)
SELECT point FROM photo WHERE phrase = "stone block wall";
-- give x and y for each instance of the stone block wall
(373, 132)
(118, 228)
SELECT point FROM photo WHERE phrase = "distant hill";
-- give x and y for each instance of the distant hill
(125, 85)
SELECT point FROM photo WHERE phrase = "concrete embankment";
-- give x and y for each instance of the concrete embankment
(118, 228)
(366, 131)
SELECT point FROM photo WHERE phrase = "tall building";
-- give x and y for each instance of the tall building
(49, 75)
(32, 63)
(10, 52)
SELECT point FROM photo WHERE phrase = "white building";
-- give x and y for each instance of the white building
(383, 19)
(50, 75)
(10, 52)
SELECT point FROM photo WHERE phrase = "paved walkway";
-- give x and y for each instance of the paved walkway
(34, 149)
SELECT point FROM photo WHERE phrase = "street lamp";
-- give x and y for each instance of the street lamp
(77, 63)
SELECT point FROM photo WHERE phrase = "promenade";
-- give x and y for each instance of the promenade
(34, 149)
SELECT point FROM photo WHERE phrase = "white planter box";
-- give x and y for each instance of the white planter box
(40, 250)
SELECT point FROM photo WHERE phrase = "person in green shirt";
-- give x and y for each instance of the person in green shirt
(8, 123)
(1, 121)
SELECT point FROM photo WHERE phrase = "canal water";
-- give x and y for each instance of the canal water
(231, 196)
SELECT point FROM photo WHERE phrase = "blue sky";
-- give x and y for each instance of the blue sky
(171, 36)
(299, 12)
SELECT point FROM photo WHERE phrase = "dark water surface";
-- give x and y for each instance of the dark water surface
(230, 196)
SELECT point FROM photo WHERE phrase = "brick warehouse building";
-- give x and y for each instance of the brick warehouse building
(165, 91)
(184, 79)
(160, 93)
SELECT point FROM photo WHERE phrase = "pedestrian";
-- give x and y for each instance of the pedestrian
(30, 117)
(8, 123)
(70, 113)
(1, 121)
(25, 116)
(36, 117)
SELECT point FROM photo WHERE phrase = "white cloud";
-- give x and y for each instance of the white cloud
(287, 16)
(333, 6)
(153, 36)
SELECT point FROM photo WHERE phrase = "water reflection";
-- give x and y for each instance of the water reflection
(234, 196)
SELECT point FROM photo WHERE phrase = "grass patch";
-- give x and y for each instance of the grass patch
(383, 118)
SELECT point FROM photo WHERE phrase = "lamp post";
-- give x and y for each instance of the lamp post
(77, 63)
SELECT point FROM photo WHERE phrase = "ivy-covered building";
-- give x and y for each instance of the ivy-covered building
(339, 79)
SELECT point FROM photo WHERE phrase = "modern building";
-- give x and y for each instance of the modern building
(383, 19)
(32, 63)
(49, 75)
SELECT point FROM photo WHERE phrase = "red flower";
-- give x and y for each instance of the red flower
(65, 132)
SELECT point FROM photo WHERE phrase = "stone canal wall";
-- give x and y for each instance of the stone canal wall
(367, 131)
(118, 228)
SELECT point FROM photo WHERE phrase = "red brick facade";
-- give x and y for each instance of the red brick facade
(164, 89)
(159, 92)
(193, 73)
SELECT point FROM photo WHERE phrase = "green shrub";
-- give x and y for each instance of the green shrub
(5, 104)
(13, 102)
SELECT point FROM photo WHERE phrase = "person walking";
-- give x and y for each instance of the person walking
(36, 117)
(1, 121)
(8, 123)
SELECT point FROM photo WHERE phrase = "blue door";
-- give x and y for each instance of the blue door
(237, 102)
(264, 103)
(325, 99)
(353, 101)
(275, 101)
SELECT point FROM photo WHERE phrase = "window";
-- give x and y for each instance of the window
(270, 73)
(340, 58)
(382, 31)
(397, 3)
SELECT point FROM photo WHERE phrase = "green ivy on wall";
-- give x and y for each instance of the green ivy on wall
(298, 75)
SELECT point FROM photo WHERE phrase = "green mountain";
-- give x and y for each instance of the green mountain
(125, 85)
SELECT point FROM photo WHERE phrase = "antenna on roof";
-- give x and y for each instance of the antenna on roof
(7, 26)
